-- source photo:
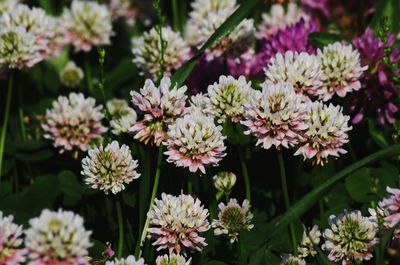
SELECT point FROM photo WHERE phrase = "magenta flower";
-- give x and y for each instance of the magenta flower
(378, 92)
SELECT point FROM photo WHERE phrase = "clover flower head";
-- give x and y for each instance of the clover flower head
(74, 123)
(123, 117)
(11, 251)
(228, 96)
(391, 207)
(200, 8)
(224, 181)
(177, 222)
(147, 52)
(57, 238)
(300, 70)
(87, 24)
(276, 116)
(326, 133)
(18, 48)
(71, 75)
(109, 168)
(351, 237)
(310, 239)
(172, 259)
(194, 141)
(7, 5)
(161, 106)
(123, 9)
(341, 66)
(291, 260)
(201, 103)
(232, 218)
(130, 260)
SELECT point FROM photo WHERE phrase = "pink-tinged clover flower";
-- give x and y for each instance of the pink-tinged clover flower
(109, 168)
(351, 237)
(391, 205)
(161, 106)
(177, 222)
(300, 70)
(130, 260)
(74, 123)
(194, 142)
(57, 238)
(87, 24)
(275, 116)
(341, 66)
(326, 133)
(173, 259)
(11, 251)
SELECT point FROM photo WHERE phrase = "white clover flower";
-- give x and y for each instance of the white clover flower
(310, 239)
(300, 70)
(57, 238)
(199, 29)
(278, 19)
(194, 141)
(228, 96)
(123, 117)
(201, 103)
(160, 107)
(172, 259)
(11, 251)
(18, 48)
(224, 181)
(74, 123)
(109, 168)
(200, 8)
(130, 260)
(326, 133)
(7, 5)
(291, 260)
(341, 66)
(176, 223)
(232, 218)
(276, 116)
(71, 75)
(147, 51)
(350, 238)
(87, 24)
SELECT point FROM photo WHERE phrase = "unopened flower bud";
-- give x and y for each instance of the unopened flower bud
(224, 181)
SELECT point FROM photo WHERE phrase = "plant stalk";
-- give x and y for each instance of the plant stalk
(153, 196)
(286, 199)
(120, 228)
(246, 176)
(5, 121)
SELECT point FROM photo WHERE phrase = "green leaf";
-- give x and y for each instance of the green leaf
(69, 184)
(241, 13)
(389, 9)
(36, 156)
(304, 204)
(359, 185)
(321, 39)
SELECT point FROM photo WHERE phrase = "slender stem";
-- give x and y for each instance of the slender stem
(88, 74)
(153, 196)
(120, 229)
(175, 14)
(5, 121)
(21, 113)
(239, 251)
(246, 178)
(286, 199)
(190, 183)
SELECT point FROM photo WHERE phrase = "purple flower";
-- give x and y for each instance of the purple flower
(292, 38)
(378, 91)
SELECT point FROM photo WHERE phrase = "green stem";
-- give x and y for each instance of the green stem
(190, 183)
(88, 74)
(21, 113)
(175, 14)
(5, 121)
(120, 229)
(286, 199)
(153, 196)
(246, 178)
